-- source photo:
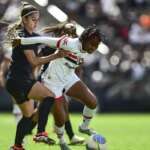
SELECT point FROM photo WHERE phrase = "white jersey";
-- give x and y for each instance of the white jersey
(60, 73)
(65, 66)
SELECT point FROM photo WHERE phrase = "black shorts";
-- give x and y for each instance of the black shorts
(19, 89)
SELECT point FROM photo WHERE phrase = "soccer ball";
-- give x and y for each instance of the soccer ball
(96, 142)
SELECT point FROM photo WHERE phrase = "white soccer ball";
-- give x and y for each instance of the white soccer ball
(96, 142)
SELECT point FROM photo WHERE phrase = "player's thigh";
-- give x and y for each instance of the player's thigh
(27, 108)
(81, 92)
(39, 92)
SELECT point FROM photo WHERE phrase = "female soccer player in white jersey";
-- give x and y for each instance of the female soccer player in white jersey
(61, 72)
(69, 29)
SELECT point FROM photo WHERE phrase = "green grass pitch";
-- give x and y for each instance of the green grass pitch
(122, 132)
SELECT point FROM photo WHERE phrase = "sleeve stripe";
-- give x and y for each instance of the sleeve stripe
(58, 42)
(73, 56)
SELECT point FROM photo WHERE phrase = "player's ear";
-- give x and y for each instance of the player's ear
(24, 19)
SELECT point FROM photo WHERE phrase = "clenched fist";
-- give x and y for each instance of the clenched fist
(16, 42)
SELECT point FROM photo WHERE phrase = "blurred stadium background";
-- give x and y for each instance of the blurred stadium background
(118, 75)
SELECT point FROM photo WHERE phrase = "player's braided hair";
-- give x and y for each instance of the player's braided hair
(89, 33)
(12, 32)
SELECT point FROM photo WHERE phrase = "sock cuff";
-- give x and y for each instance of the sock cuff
(88, 112)
(59, 128)
(59, 131)
(87, 117)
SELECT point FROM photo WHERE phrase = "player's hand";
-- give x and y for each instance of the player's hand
(16, 42)
(2, 81)
(62, 53)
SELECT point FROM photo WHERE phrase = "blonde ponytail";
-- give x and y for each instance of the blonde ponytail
(12, 32)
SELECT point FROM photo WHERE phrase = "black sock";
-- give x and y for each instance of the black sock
(69, 130)
(32, 125)
(44, 109)
(23, 129)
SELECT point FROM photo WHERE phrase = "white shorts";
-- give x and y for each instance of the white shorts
(57, 85)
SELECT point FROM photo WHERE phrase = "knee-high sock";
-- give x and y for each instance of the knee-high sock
(87, 116)
(23, 128)
(69, 130)
(32, 125)
(44, 109)
(60, 134)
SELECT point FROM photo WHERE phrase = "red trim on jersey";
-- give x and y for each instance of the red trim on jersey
(58, 42)
(73, 56)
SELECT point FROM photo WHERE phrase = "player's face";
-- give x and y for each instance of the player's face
(31, 21)
(90, 45)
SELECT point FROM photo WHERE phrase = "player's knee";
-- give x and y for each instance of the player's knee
(60, 123)
(35, 116)
(93, 103)
(28, 114)
(59, 115)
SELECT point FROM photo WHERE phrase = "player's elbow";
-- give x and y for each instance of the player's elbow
(34, 63)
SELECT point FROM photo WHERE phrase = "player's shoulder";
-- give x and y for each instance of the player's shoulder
(22, 32)
(71, 41)
(75, 44)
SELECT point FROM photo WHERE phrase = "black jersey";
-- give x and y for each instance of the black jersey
(20, 67)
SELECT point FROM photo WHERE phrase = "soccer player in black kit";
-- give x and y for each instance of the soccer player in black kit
(21, 83)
